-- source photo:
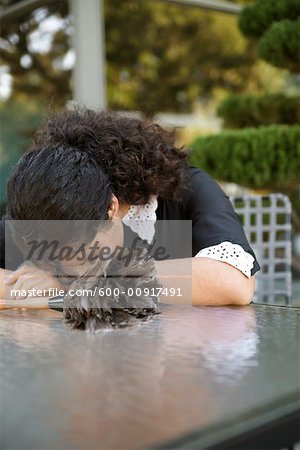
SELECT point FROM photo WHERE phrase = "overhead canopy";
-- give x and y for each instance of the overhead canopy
(17, 8)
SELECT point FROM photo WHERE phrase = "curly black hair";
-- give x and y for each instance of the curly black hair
(139, 156)
(80, 157)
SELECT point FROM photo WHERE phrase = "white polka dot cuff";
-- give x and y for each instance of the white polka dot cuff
(232, 254)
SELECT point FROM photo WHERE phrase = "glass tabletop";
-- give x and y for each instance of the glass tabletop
(190, 368)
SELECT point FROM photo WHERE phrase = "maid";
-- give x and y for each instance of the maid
(90, 165)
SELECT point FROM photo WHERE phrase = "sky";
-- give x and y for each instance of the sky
(40, 41)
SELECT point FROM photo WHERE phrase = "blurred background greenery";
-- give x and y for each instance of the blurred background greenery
(262, 151)
(200, 71)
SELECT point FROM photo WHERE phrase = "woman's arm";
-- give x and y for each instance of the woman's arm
(218, 283)
(205, 281)
(223, 276)
(200, 281)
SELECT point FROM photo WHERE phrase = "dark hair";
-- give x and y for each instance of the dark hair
(139, 156)
(56, 183)
(80, 157)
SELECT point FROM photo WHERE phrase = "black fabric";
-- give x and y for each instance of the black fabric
(206, 205)
(213, 217)
(13, 260)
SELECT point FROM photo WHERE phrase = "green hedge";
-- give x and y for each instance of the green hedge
(280, 45)
(240, 111)
(255, 19)
(262, 158)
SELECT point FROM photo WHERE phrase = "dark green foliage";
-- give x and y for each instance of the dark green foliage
(280, 45)
(267, 157)
(255, 19)
(262, 158)
(148, 44)
(14, 140)
(240, 111)
(276, 25)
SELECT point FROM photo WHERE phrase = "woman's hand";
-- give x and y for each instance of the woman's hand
(18, 283)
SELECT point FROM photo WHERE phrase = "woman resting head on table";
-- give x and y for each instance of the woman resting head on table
(88, 165)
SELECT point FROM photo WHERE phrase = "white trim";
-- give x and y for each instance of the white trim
(232, 254)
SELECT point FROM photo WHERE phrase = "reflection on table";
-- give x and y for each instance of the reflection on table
(188, 368)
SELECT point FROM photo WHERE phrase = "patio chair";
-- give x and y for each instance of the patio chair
(267, 223)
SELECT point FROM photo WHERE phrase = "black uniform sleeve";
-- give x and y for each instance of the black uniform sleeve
(213, 216)
(13, 259)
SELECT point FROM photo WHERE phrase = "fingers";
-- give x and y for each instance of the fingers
(18, 288)
(12, 277)
(28, 282)
(21, 283)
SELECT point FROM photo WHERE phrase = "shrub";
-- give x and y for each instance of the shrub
(255, 19)
(280, 45)
(262, 158)
(240, 111)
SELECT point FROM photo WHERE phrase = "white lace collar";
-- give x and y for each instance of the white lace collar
(141, 219)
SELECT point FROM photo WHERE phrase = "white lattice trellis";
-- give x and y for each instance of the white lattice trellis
(267, 223)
